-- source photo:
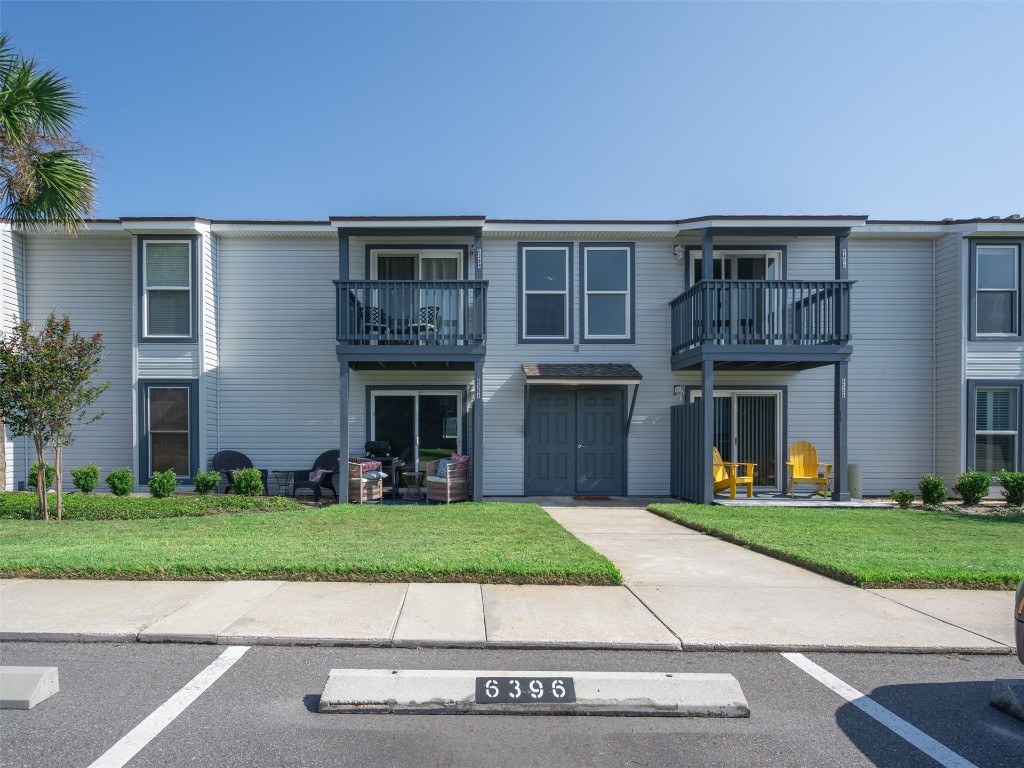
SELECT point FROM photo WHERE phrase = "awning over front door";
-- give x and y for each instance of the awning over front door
(581, 373)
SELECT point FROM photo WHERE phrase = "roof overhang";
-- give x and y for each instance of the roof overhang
(792, 226)
(581, 373)
(420, 226)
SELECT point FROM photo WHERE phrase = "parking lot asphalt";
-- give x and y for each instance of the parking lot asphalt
(263, 711)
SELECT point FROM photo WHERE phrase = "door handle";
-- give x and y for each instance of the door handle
(578, 446)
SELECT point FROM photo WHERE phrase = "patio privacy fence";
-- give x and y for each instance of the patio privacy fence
(687, 468)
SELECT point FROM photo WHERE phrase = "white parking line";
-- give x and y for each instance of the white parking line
(148, 729)
(939, 753)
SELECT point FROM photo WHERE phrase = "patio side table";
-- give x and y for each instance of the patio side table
(285, 482)
(413, 492)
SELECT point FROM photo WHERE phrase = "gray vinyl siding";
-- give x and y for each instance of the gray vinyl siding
(89, 279)
(209, 341)
(950, 338)
(168, 361)
(278, 371)
(891, 392)
(659, 278)
(995, 359)
(12, 307)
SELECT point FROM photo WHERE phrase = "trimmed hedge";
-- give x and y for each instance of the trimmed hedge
(79, 506)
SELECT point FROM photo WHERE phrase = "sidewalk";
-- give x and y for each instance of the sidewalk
(682, 590)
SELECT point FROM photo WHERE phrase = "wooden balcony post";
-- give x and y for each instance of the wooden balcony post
(707, 394)
(840, 491)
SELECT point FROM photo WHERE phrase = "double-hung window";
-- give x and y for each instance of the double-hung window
(545, 279)
(606, 275)
(168, 279)
(170, 428)
(997, 427)
(996, 276)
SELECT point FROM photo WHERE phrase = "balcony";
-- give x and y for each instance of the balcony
(412, 323)
(761, 324)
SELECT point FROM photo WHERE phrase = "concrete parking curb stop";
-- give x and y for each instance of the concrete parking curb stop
(661, 694)
(24, 687)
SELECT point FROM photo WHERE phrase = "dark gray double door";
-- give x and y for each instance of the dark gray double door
(574, 441)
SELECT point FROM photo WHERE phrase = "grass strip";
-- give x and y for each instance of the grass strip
(475, 542)
(873, 547)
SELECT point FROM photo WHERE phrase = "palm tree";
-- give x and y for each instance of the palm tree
(45, 172)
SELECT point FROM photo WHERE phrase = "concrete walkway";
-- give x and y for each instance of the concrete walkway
(682, 590)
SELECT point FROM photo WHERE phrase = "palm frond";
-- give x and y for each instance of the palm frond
(64, 193)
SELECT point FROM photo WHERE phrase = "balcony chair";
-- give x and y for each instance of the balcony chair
(380, 450)
(426, 323)
(229, 462)
(320, 477)
(448, 479)
(727, 475)
(804, 467)
(365, 480)
(375, 324)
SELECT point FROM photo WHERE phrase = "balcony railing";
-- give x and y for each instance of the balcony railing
(436, 312)
(784, 312)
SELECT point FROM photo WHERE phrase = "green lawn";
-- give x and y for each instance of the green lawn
(873, 547)
(489, 542)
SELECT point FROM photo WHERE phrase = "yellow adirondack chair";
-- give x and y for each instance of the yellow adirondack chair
(727, 475)
(804, 467)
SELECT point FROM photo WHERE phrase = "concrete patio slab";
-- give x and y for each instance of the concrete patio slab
(202, 620)
(839, 618)
(24, 687)
(987, 613)
(571, 617)
(442, 615)
(48, 609)
(321, 613)
(446, 691)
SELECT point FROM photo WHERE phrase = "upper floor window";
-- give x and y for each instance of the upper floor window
(606, 276)
(168, 283)
(997, 290)
(545, 292)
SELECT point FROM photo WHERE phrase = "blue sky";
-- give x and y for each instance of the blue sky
(543, 110)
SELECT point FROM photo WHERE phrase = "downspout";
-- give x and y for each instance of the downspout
(935, 349)
(215, 245)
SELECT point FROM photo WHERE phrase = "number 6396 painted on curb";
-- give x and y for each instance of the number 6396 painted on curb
(524, 690)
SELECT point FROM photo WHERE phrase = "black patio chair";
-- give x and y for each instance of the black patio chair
(229, 462)
(324, 468)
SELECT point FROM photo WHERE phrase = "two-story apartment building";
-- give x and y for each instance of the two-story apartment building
(556, 354)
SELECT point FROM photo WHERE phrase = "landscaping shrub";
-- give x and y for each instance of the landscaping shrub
(903, 498)
(86, 478)
(163, 484)
(206, 481)
(121, 481)
(248, 482)
(933, 490)
(33, 474)
(972, 487)
(1013, 487)
(78, 506)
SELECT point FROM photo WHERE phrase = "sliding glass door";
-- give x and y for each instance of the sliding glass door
(421, 426)
(748, 428)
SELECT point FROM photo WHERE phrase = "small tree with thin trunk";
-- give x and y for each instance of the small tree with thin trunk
(46, 389)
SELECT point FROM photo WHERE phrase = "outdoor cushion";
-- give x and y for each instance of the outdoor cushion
(442, 467)
(374, 474)
(316, 474)
(369, 466)
(458, 457)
